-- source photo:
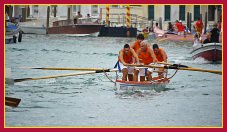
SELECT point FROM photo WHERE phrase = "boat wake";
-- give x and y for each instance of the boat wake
(201, 60)
(130, 94)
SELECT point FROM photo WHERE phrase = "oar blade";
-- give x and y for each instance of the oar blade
(13, 102)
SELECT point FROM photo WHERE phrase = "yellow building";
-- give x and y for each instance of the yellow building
(143, 14)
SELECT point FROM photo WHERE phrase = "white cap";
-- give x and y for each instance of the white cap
(180, 21)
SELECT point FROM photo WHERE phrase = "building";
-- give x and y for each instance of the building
(171, 13)
(168, 13)
(141, 15)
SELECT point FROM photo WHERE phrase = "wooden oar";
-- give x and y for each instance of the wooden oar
(179, 68)
(62, 68)
(177, 65)
(85, 69)
(164, 63)
(13, 102)
(65, 75)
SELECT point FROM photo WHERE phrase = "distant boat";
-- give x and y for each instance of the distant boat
(210, 51)
(34, 26)
(174, 37)
(10, 39)
(33, 29)
(177, 38)
(83, 35)
(84, 27)
(12, 33)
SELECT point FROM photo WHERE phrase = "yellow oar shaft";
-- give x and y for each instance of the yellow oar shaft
(179, 68)
(202, 70)
(151, 66)
(65, 75)
(62, 68)
(164, 63)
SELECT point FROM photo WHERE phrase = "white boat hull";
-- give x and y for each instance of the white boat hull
(9, 39)
(84, 35)
(33, 30)
(136, 86)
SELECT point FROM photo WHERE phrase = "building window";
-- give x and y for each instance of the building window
(76, 8)
(52, 9)
(94, 10)
(167, 12)
(182, 12)
(211, 12)
(115, 6)
(36, 9)
(196, 12)
(136, 5)
(219, 13)
(151, 12)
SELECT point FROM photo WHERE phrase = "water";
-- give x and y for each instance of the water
(191, 98)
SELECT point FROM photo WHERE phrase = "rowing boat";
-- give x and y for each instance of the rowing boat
(156, 84)
(177, 38)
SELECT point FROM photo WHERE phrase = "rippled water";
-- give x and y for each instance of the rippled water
(190, 99)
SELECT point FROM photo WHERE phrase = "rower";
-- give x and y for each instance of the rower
(161, 56)
(136, 45)
(146, 56)
(127, 56)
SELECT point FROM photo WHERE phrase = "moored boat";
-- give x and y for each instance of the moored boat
(10, 39)
(33, 29)
(156, 84)
(12, 29)
(84, 27)
(12, 33)
(210, 51)
(177, 38)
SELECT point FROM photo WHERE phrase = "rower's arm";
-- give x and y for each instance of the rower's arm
(121, 57)
(134, 55)
(164, 56)
(152, 54)
(138, 53)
